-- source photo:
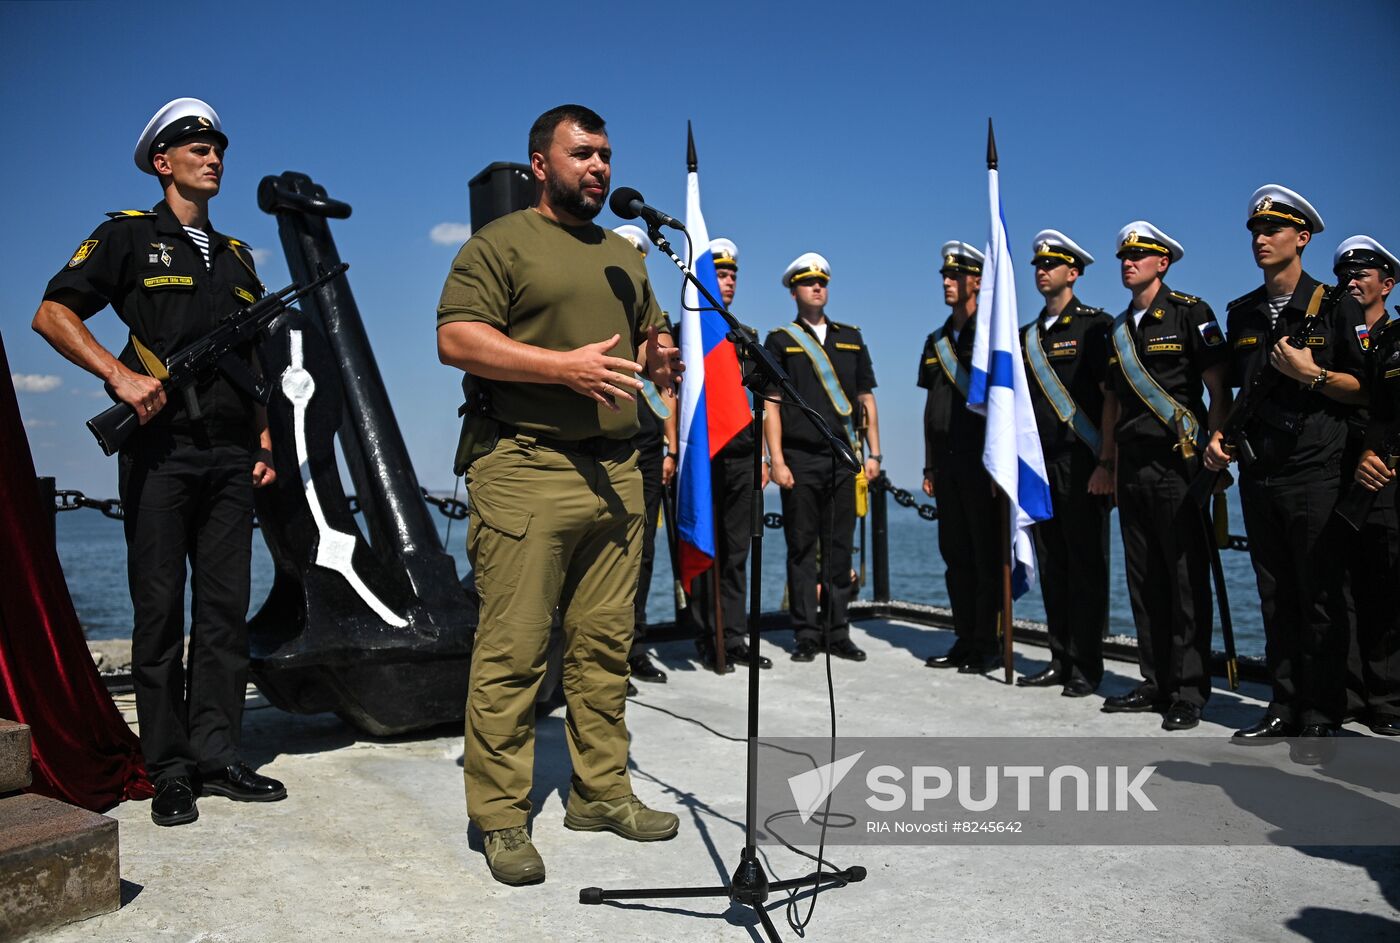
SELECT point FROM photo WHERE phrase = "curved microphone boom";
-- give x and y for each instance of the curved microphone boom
(627, 203)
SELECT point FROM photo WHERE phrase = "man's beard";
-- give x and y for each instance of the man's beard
(571, 200)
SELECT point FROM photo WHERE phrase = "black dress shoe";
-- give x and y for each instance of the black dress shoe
(707, 658)
(1181, 716)
(1385, 726)
(241, 784)
(744, 655)
(1041, 679)
(643, 669)
(1078, 687)
(174, 802)
(1313, 746)
(1265, 731)
(805, 651)
(845, 648)
(980, 665)
(1134, 702)
(952, 658)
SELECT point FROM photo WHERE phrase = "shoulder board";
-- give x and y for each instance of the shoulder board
(238, 243)
(1086, 309)
(1185, 298)
(843, 326)
(1252, 296)
(129, 214)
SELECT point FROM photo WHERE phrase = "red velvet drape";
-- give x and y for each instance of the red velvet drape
(84, 753)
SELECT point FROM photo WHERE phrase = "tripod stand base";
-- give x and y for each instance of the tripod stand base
(749, 886)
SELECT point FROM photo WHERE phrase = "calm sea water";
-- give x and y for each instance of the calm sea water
(94, 561)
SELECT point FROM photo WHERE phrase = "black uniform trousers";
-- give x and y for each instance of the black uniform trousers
(1373, 645)
(183, 502)
(969, 538)
(1294, 544)
(1168, 569)
(1072, 552)
(731, 479)
(823, 496)
(649, 460)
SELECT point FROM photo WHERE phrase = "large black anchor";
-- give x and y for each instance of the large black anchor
(377, 630)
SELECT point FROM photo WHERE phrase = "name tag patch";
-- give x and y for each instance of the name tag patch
(244, 294)
(1165, 348)
(841, 346)
(1392, 373)
(1251, 341)
(1063, 353)
(169, 281)
(1317, 342)
(792, 350)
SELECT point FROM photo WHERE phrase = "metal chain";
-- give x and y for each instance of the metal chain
(455, 510)
(450, 508)
(73, 500)
(904, 499)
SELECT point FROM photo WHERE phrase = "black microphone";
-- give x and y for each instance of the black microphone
(627, 203)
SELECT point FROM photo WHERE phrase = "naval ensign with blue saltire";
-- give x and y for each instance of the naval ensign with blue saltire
(998, 390)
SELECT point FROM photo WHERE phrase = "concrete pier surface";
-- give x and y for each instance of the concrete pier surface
(373, 843)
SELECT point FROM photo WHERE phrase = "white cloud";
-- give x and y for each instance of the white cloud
(450, 234)
(38, 423)
(260, 256)
(35, 382)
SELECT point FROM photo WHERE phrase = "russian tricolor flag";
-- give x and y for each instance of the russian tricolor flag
(714, 406)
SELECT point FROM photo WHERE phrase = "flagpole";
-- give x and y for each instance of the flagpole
(1006, 614)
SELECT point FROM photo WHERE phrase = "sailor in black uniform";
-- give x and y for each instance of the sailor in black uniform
(1067, 353)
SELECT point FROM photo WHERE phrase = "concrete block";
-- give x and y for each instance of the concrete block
(58, 864)
(14, 756)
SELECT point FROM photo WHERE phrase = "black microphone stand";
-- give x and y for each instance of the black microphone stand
(749, 885)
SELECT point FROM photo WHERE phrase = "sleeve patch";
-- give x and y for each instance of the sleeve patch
(1211, 333)
(84, 251)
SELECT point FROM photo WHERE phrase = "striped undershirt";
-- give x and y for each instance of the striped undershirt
(201, 239)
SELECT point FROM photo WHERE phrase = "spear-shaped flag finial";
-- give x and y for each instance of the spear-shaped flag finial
(692, 164)
(991, 147)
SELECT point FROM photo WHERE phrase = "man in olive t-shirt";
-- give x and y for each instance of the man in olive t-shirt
(554, 317)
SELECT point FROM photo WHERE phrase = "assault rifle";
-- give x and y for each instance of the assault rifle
(214, 351)
(1252, 397)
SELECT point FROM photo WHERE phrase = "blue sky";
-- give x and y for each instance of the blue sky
(857, 131)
